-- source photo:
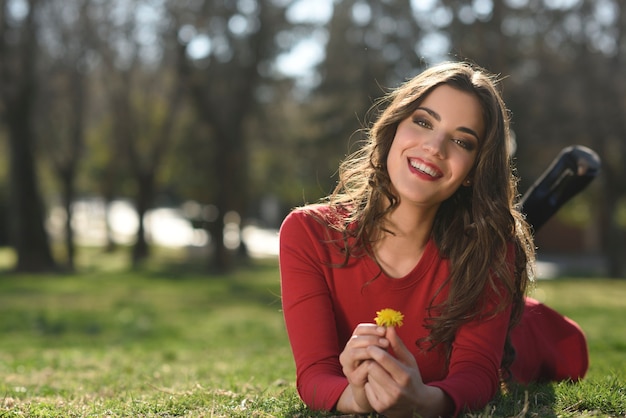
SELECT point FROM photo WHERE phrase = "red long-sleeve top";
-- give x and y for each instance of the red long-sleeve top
(323, 303)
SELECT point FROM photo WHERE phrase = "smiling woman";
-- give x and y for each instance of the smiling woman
(423, 220)
(439, 142)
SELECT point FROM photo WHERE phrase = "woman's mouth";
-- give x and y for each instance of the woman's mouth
(424, 168)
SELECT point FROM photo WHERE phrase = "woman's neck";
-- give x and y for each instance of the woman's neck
(399, 250)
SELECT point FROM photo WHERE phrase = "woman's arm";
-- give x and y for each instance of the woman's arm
(308, 312)
(473, 373)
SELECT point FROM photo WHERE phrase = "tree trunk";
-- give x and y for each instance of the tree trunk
(110, 245)
(68, 199)
(221, 261)
(230, 167)
(29, 236)
(612, 236)
(145, 195)
(18, 72)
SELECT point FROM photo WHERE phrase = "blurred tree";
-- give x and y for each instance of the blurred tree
(5, 239)
(104, 162)
(372, 47)
(63, 97)
(280, 129)
(578, 87)
(227, 48)
(18, 75)
(257, 130)
(602, 63)
(145, 98)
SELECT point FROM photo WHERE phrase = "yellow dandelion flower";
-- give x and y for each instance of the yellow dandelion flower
(389, 318)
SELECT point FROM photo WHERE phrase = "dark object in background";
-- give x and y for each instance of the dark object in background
(570, 172)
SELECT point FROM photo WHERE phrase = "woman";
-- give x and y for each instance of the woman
(422, 221)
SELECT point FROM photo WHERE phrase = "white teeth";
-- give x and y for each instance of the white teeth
(424, 168)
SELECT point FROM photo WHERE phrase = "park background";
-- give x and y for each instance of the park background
(169, 138)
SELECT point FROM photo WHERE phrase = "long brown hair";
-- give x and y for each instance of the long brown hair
(474, 228)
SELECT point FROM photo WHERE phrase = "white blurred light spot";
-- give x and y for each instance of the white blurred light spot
(199, 47)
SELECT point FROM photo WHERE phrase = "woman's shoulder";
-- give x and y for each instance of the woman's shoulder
(323, 221)
(323, 214)
(310, 209)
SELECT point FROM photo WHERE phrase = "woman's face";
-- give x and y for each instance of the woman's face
(434, 149)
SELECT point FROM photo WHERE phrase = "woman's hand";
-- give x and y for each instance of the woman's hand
(354, 360)
(394, 385)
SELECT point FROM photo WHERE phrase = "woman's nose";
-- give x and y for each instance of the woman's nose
(435, 145)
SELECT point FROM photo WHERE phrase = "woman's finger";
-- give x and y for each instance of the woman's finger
(399, 348)
(369, 329)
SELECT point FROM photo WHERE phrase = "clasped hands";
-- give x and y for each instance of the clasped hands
(382, 373)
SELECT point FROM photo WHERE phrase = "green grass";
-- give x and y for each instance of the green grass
(169, 342)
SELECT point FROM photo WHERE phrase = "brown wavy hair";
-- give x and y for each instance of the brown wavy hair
(474, 228)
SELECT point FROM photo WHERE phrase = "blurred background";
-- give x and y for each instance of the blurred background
(198, 124)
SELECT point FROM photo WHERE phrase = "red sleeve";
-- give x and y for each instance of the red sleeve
(308, 312)
(473, 374)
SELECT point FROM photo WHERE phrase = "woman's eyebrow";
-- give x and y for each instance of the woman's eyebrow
(469, 131)
(438, 118)
(430, 112)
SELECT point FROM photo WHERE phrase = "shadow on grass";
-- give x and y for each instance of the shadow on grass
(535, 400)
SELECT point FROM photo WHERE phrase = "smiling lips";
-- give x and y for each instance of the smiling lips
(422, 168)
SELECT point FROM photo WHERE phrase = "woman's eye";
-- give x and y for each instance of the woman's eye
(468, 145)
(421, 122)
